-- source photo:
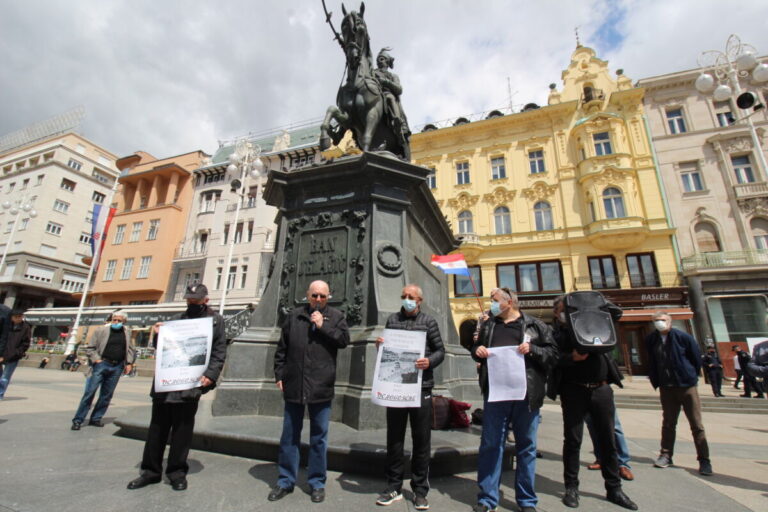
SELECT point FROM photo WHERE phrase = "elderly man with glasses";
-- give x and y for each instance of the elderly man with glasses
(305, 372)
(111, 353)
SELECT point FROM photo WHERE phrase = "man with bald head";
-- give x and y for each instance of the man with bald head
(305, 372)
(411, 318)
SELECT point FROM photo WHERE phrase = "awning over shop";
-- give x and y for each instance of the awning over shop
(138, 316)
(646, 315)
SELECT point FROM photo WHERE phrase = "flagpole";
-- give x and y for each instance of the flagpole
(477, 296)
(72, 341)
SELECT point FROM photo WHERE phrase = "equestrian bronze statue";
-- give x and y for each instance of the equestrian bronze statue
(368, 102)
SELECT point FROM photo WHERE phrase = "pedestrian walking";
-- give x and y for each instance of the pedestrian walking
(17, 341)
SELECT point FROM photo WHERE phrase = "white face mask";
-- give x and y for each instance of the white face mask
(661, 325)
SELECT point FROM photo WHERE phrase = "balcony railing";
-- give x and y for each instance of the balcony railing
(726, 259)
(467, 238)
(191, 252)
(648, 280)
(746, 190)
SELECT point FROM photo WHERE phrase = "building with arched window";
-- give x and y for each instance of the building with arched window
(718, 199)
(558, 198)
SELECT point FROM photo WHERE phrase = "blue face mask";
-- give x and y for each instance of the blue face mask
(495, 308)
(117, 327)
(409, 305)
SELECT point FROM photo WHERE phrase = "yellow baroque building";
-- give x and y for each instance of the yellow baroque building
(560, 198)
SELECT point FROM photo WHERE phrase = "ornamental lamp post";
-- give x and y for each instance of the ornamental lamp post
(722, 80)
(244, 163)
(17, 210)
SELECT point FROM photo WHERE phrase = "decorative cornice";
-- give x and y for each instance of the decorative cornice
(538, 191)
(501, 195)
(463, 201)
(754, 206)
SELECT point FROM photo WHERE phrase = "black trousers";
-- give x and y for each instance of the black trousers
(421, 434)
(715, 380)
(576, 401)
(178, 419)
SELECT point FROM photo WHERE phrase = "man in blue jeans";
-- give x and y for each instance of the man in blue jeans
(508, 326)
(111, 353)
(305, 372)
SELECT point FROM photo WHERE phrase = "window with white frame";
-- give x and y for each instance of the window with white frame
(465, 222)
(53, 228)
(40, 179)
(127, 269)
(238, 233)
(691, 177)
(231, 277)
(136, 231)
(614, 203)
(154, 228)
(75, 164)
(602, 142)
(498, 168)
(60, 206)
(89, 217)
(675, 120)
(85, 238)
(109, 273)
(536, 161)
(502, 220)
(742, 168)
(72, 283)
(432, 178)
(23, 223)
(462, 173)
(243, 275)
(208, 201)
(68, 185)
(760, 232)
(723, 113)
(144, 264)
(24, 184)
(218, 278)
(119, 234)
(543, 215)
(98, 197)
(49, 251)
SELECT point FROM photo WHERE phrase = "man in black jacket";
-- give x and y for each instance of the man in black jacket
(305, 372)
(16, 345)
(411, 318)
(750, 383)
(714, 368)
(509, 326)
(174, 411)
(583, 382)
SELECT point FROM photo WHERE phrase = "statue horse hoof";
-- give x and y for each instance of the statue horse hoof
(325, 142)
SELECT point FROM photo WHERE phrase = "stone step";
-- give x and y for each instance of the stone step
(708, 404)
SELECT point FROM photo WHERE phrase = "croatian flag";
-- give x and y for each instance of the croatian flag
(102, 217)
(451, 264)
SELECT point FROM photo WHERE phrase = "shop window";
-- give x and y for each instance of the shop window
(642, 270)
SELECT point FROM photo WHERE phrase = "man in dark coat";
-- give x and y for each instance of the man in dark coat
(16, 345)
(305, 372)
(674, 362)
(508, 326)
(411, 318)
(750, 383)
(174, 411)
(583, 381)
(714, 368)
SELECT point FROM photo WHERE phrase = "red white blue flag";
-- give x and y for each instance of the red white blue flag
(102, 217)
(451, 264)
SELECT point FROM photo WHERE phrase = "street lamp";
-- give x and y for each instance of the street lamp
(17, 210)
(244, 162)
(727, 68)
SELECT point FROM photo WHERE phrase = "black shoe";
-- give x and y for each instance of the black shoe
(705, 467)
(97, 423)
(420, 502)
(618, 497)
(143, 481)
(75, 426)
(571, 498)
(278, 493)
(527, 509)
(317, 495)
(180, 484)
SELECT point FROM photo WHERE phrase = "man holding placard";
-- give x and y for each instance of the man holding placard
(515, 352)
(191, 346)
(399, 351)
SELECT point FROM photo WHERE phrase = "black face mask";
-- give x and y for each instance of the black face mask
(195, 310)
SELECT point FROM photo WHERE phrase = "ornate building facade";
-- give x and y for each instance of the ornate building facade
(560, 198)
(718, 199)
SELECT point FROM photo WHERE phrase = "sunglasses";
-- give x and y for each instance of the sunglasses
(318, 296)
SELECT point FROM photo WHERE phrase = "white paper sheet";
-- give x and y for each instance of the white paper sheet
(183, 352)
(396, 381)
(506, 374)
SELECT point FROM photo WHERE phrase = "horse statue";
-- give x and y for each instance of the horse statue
(368, 102)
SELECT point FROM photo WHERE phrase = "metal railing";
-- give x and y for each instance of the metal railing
(726, 259)
(235, 325)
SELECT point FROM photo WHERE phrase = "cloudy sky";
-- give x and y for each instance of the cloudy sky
(171, 76)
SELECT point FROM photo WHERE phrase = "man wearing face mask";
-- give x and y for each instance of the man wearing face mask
(173, 412)
(305, 372)
(411, 318)
(508, 326)
(674, 363)
(111, 353)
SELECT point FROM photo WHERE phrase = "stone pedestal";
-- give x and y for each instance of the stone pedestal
(367, 225)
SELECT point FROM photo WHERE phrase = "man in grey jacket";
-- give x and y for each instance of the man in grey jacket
(111, 353)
